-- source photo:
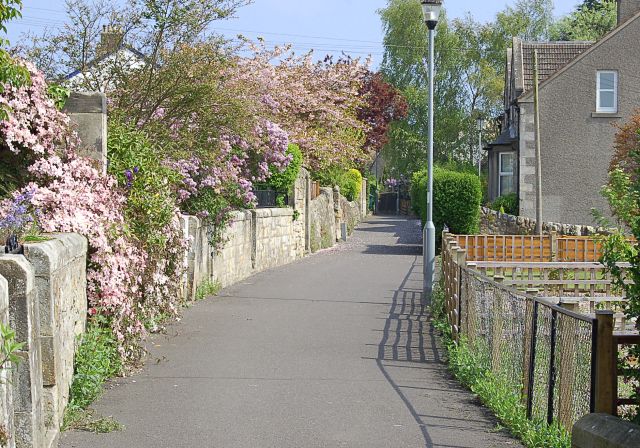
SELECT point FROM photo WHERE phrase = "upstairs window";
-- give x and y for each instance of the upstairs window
(607, 97)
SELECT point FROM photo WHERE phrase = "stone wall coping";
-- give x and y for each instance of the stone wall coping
(49, 256)
(604, 431)
(272, 212)
(20, 278)
(4, 293)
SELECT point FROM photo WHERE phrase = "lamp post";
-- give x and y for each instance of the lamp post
(480, 125)
(431, 12)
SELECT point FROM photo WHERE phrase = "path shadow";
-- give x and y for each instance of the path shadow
(398, 345)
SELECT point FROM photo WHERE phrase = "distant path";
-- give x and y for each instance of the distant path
(331, 351)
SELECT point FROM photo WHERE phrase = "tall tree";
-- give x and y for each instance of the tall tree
(589, 21)
(470, 61)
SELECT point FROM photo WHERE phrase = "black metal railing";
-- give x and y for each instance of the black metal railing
(270, 198)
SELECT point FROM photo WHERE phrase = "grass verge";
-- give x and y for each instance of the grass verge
(473, 371)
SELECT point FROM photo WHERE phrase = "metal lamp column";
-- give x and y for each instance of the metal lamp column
(431, 10)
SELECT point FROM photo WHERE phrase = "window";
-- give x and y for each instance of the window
(607, 97)
(506, 183)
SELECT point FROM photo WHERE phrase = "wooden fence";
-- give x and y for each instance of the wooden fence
(530, 248)
(562, 348)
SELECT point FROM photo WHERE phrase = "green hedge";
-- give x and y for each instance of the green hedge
(506, 204)
(456, 200)
(282, 182)
(351, 184)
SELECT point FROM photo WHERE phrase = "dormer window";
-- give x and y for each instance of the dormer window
(607, 92)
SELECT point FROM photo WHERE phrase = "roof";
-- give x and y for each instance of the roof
(504, 139)
(594, 47)
(139, 55)
(552, 56)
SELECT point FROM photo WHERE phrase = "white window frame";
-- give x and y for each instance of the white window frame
(607, 110)
(501, 173)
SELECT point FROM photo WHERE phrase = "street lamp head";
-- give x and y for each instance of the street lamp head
(431, 12)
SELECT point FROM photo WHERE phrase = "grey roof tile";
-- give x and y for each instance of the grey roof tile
(551, 57)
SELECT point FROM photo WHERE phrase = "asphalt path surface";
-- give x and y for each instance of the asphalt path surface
(334, 350)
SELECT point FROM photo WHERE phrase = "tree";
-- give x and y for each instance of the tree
(470, 61)
(590, 21)
(384, 105)
(153, 27)
(12, 73)
(404, 66)
(623, 195)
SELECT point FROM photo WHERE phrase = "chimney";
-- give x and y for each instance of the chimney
(110, 40)
(627, 9)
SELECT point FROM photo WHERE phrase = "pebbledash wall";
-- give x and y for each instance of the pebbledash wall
(495, 223)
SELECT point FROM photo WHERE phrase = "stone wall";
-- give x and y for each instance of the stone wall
(274, 237)
(47, 308)
(60, 281)
(496, 223)
(43, 295)
(6, 396)
(323, 224)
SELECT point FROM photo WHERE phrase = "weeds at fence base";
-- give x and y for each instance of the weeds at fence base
(471, 368)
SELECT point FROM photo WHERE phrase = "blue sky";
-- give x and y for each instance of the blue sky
(328, 26)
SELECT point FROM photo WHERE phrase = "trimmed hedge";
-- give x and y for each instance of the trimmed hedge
(456, 200)
(351, 184)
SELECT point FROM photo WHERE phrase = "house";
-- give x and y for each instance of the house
(585, 90)
(113, 56)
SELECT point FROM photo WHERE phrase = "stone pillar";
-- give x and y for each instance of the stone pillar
(338, 212)
(364, 198)
(88, 112)
(27, 378)
(60, 281)
(307, 216)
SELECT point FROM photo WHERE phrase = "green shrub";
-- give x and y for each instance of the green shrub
(506, 204)
(151, 202)
(97, 359)
(351, 184)
(282, 182)
(456, 200)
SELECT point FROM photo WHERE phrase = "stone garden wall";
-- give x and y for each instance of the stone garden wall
(43, 296)
(47, 308)
(496, 223)
(323, 222)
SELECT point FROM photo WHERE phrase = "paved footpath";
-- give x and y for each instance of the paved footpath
(331, 351)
